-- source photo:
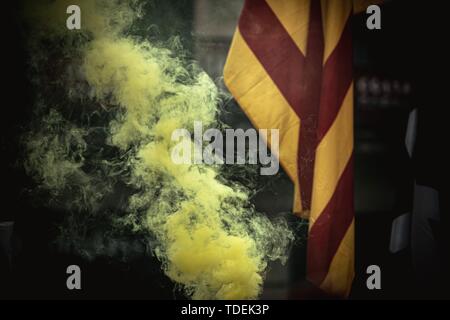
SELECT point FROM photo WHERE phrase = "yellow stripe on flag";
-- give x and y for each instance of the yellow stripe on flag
(261, 100)
(342, 270)
(332, 156)
(334, 17)
(294, 16)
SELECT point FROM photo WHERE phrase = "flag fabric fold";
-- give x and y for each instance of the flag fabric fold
(290, 68)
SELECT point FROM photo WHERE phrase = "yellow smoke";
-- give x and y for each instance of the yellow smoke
(208, 239)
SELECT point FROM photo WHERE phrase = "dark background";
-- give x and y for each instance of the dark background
(409, 50)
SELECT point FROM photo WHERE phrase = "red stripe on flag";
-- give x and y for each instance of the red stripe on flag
(331, 225)
(337, 77)
(309, 104)
(329, 229)
(274, 48)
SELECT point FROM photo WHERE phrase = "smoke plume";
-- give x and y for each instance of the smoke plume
(99, 150)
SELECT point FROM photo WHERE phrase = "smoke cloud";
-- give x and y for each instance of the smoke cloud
(99, 149)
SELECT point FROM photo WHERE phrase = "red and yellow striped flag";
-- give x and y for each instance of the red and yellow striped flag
(290, 67)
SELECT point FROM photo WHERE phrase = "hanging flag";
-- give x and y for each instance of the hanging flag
(290, 67)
